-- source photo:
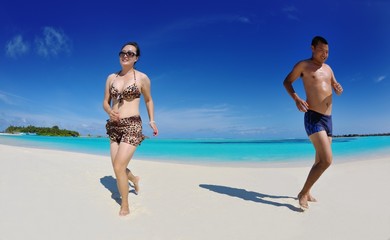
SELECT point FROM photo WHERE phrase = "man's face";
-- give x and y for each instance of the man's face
(320, 52)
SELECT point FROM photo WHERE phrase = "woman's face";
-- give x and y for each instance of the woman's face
(128, 55)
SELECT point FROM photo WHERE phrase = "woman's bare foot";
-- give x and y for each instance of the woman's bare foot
(124, 210)
(136, 184)
(133, 179)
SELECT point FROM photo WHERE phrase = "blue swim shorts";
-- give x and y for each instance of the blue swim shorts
(315, 122)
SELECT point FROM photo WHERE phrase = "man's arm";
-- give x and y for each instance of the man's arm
(288, 81)
(336, 85)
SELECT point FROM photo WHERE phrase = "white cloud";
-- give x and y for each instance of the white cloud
(52, 43)
(204, 21)
(380, 78)
(4, 98)
(12, 99)
(243, 19)
(66, 120)
(289, 9)
(189, 23)
(206, 122)
(16, 47)
(19, 111)
(291, 12)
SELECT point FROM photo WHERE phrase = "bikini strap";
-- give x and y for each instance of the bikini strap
(119, 72)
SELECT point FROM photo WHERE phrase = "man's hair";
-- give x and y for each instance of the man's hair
(318, 39)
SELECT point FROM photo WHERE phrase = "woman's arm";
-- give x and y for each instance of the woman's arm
(146, 91)
(107, 102)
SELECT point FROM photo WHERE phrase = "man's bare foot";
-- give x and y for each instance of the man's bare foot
(124, 210)
(310, 198)
(302, 199)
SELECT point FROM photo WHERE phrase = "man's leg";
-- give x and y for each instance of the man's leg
(322, 145)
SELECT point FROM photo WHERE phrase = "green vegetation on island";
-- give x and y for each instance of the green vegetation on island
(363, 135)
(43, 131)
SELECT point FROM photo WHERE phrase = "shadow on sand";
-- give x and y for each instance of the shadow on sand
(110, 184)
(250, 196)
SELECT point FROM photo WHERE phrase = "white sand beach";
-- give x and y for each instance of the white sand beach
(46, 194)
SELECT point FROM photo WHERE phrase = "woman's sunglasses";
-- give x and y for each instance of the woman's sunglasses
(129, 54)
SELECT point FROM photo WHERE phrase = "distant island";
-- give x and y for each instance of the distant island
(362, 135)
(42, 131)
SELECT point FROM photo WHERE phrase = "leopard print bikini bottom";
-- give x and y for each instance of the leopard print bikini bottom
(128, 130)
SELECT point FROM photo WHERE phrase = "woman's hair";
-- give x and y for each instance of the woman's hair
(138, 51)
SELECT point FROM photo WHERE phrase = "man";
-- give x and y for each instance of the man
(318, 81)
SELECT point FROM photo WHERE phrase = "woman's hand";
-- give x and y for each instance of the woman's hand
(114, 116)
(153, 125)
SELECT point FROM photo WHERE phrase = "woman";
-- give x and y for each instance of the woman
(124, 128)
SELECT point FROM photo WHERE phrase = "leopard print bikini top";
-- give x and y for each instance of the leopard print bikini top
(129, 93)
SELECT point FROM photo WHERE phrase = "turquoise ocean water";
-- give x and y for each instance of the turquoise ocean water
(211, 150)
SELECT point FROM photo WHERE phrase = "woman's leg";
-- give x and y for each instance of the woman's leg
(134, 179)
(121, 160)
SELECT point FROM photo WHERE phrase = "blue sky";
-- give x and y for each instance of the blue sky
(216, 67)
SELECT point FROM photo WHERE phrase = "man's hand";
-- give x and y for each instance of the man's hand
(337, 88)
(301, 105)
